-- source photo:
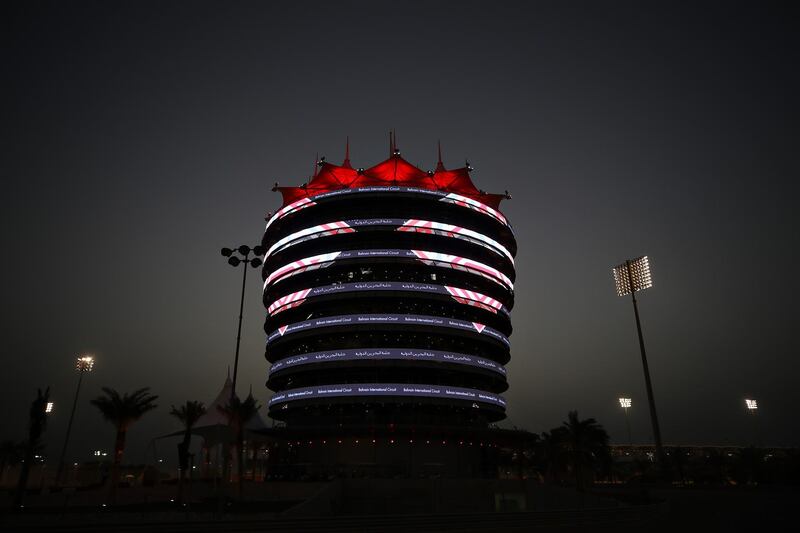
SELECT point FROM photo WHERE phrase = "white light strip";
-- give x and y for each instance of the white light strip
(302, 203)
(331, 228)
(462, 263)
(462, 296)
(427, 226)
(295, 267)
(404, 225)
(428, 257)
(475, 205)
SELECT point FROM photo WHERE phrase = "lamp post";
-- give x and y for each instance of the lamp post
(630, 277)
(84, 364)
(244, 260)
(626, 403)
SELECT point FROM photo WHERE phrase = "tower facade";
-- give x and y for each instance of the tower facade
(388, 293)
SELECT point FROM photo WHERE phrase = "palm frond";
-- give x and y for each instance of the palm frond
(122, 410)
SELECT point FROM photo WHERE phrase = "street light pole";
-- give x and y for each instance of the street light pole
(239, 329)
(84, 364)
(631, 276)
(245, 261)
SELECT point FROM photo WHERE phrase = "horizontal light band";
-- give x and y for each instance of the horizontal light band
(398, 224)
(387, 354)
(427, 257)
(301, 265)
(475, 205)
(388, 389)
(321, 230)
(448, 230)
(463, 263)
(387, 319)
(302, 203)
(462, 296)
(452, 198)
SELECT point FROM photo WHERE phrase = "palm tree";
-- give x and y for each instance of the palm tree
(37, 422)
(10, 454)
(749, 465)
(188, 413)
(239, 414)
(717, 460)
(586, 444)
(122, 411)
(551, 461)
(677, 456)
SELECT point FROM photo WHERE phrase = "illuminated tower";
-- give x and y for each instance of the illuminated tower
(388, 292)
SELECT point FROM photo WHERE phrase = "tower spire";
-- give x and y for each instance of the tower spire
(391, 143)
(346, 162)
(316, 166)
(439, 164)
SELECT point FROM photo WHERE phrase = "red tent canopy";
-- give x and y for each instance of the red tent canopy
(395, 171)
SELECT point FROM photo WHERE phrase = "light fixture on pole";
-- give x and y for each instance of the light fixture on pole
(626, 403)
(752, 408)
(83, 364)
(630, 277)
(245, 260)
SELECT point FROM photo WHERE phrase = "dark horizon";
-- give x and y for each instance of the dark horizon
(141, 138)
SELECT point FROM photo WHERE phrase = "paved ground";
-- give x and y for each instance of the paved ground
(720, 509)
(623, 519)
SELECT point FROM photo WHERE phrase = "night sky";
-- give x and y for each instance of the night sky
(138, 138)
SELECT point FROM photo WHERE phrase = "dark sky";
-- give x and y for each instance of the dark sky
(138, 138)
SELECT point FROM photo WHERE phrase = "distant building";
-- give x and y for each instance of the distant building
(388, 294)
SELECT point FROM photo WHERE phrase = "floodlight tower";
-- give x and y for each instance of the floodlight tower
(752, 408)
(84, 364)
(626, 403)
(629, 277)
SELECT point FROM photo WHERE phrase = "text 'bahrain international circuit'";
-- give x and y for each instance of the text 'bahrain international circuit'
(388, 293)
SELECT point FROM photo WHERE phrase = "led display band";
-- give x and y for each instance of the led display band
(451, 198)
(449, 230)
(320, 230)
(462, 296)
(470, 203)
(387, 354)
(463, 263)
(387, 389)
(302, 203)
(427, 257)
(398, 224)
(390, 319)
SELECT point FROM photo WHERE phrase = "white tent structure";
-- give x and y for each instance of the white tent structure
(213, 426)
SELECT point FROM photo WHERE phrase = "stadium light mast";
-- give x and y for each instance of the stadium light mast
(626, 403)
(84, 364)
(630, 277)
(752, 408)
(752, 405)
